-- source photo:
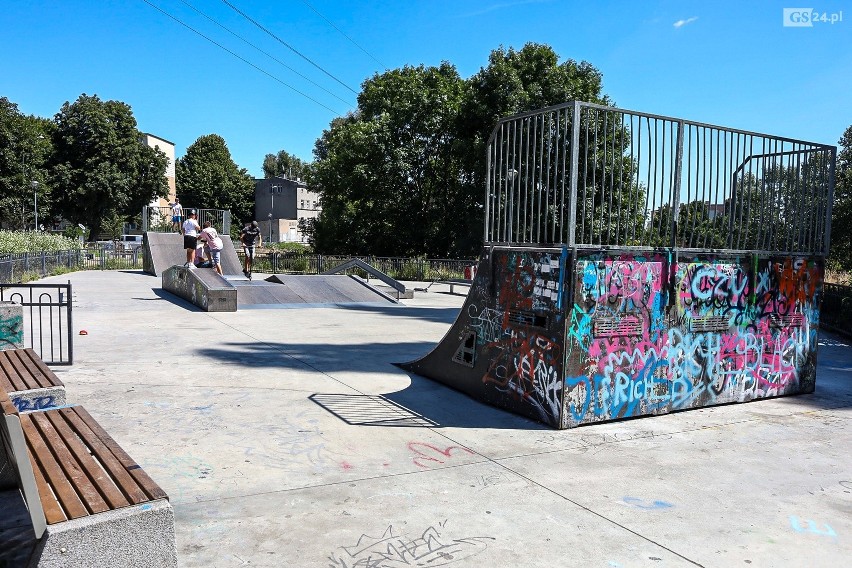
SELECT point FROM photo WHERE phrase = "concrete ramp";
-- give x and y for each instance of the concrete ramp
(214, 293)
(162, 250)
(571, 338)
(329, 289)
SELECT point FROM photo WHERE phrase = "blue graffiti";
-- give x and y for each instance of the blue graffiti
(812, 527)
(647, 505)
(37, 403)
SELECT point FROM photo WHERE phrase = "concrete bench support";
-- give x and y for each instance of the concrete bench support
(90, 504)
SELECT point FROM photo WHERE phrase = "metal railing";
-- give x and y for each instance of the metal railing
(47, 319)
(418, 269)
(159, 219)
(587, 175)
(29, 266)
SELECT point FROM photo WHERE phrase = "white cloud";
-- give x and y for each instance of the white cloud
(681, 23)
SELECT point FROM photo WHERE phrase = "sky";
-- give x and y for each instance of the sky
(726, 63)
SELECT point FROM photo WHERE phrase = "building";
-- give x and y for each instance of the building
(168, 148)
(279, 204)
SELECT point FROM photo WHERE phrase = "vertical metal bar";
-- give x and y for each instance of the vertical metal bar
(829, 201)
(510, 181)
(678, 168)
(585, 180)
(563, 136)
(546, 186)
(528, 221)
(539, 181)
(575, 156)
(621, 188)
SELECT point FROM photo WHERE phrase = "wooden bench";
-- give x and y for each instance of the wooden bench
(29, 382)
(455, 282)
(89, 503)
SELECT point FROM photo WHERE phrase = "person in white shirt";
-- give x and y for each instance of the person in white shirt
(214, 245)
(177, 214)
(190, 238)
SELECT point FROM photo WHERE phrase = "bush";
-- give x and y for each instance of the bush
(16, 242)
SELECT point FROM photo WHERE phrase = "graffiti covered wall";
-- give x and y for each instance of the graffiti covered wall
(655, 335)
(570, 341)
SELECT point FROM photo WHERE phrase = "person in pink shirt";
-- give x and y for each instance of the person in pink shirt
(214, 244)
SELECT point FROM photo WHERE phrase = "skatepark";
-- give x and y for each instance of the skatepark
(310, 436)
(290, 438)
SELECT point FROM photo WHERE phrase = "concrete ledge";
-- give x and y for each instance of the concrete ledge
(139, 536)
(38, 399)
(201, 286)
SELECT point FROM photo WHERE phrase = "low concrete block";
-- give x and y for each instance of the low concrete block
(140, 536)
(11, 325)
(201, 286)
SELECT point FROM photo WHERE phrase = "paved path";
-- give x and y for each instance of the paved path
(286, 438)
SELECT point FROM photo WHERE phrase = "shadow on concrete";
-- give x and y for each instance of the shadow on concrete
(423, 404)
(833, 376)
(437, 315)
(169, 297)
(327, 358)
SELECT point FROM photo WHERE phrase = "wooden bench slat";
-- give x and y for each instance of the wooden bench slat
(96, 474)
(21, 361)
(45, 460)
(73, 468)
(53, 513)
(150, 487)
(10, 375)
(6, 403)
(92, 438)
(45, 377)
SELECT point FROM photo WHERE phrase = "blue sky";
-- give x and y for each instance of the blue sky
(727, 63)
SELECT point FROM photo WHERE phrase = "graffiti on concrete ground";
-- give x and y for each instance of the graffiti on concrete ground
(428, 455)
(435, 546)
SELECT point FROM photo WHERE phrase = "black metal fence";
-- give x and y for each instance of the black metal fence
(422, 269)
(30, 266)
(47, 319)
(836, 313)
(586, 175)
(159, 219)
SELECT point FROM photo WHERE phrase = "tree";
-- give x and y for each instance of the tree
(387, 173)
(286, 165)
(25, 146)
(405, 173)
(100, 166)
(841, 215)
(206, 177)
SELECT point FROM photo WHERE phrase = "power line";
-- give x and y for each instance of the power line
(269, 55)
(343, 34)
(246, 61)
(287, 45)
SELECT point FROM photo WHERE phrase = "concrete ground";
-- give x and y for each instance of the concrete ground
(286, 437)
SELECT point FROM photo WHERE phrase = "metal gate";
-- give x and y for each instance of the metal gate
(47, 319)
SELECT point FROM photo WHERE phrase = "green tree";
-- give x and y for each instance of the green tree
(405, 173)
(206, 177)
(25, 147)
(100, 166)
(841, 215)
(388, 174)
(284, 164)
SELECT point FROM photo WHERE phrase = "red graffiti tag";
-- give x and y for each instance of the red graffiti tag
(429, 453)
